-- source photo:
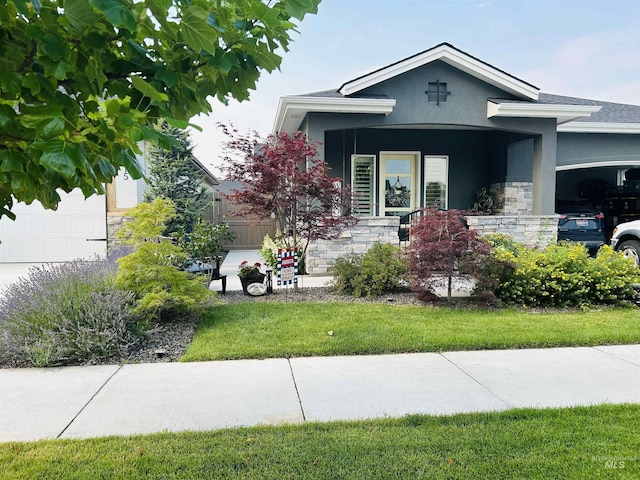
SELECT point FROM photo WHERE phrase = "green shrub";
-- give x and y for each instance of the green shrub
(504, 241)
(204, 243)
(69, 313)
(152, 271)
(380, 270)
(611, 276)
(562, 275)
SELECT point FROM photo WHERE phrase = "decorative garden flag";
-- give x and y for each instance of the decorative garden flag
(287, 266)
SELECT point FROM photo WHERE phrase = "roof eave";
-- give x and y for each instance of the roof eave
(562, 113)
(293, 109)
(600, 127)
(209, 177)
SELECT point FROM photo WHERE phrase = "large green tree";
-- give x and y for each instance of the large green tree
(174, 175)
(83, 81)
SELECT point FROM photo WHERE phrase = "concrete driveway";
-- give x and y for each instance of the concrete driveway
(11, 272)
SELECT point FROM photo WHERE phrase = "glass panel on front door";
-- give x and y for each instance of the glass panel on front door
(398, 183)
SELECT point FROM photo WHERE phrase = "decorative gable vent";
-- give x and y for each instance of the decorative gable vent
(437, 92)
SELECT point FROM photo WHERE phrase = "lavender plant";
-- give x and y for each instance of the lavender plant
(67, 313)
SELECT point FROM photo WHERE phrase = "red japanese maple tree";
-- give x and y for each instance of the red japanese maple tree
(283, 177)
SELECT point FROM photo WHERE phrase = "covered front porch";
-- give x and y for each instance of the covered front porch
(396, 171)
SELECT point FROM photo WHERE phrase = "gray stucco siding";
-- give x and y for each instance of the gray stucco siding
(520, 161)
(466, 105)
(580, 148)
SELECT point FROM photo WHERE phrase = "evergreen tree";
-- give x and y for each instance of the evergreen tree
(173, 175)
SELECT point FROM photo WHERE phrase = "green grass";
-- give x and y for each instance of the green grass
(576, 443)
(265, 330)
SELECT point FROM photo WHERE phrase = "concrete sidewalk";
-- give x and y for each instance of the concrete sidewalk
(80, 402)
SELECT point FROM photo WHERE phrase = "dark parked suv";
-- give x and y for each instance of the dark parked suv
(582, 224)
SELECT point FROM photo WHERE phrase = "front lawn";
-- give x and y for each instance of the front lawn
(265, 330)
(577, 443)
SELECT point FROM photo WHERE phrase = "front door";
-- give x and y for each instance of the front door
(398, 182)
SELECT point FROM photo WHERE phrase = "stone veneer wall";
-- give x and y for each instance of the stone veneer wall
(321, 254)
(513, 198)
(114, 224)
(532, 230)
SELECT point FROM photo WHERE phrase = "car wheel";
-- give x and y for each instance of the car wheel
(631, 249)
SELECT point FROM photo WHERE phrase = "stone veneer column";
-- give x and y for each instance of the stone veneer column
(322, 254)
(513, 198)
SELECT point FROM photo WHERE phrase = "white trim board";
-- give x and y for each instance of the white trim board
(292, 109)
(453, 57)
(563, 113)
(612, 163)
(599, 127)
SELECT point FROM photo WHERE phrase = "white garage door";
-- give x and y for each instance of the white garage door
(76, 230)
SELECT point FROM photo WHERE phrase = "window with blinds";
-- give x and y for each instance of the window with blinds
(363, 172)
(436, 182)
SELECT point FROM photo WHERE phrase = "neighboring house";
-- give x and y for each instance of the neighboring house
(433, 129)
(125, 193)
(79, 228)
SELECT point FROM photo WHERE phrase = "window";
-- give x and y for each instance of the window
(363, 185)
(436, 181)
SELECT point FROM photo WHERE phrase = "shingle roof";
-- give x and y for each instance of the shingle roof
(609, 113)
(228, 186)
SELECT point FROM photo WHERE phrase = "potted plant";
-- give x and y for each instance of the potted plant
(250, 274)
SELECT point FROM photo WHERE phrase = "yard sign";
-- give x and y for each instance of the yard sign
(288, 266)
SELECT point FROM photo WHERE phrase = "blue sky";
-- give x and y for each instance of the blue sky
(582, 48)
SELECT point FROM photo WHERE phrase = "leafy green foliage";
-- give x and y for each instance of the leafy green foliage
(562, 275)
(173, 175)
(205, 241)
(372, 274)
(152, 270)
(63, 314)
(83, 81)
